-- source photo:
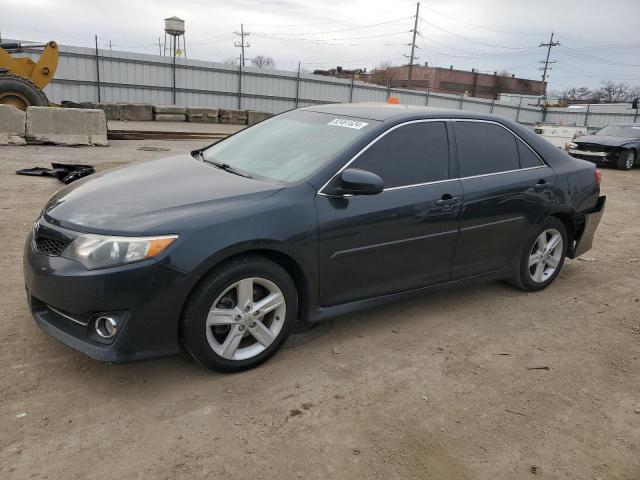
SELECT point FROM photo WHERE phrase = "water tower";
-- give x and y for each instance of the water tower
(174, 27)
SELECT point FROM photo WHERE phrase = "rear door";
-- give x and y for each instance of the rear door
(402, 238)
(507, 190)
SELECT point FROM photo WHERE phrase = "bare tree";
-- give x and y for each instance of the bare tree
(262, 61)
(382, 75)
(232, 61)
(612, 92)
(500, 83)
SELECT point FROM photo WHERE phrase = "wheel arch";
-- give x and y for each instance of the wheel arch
(285, 260)
(569, 222)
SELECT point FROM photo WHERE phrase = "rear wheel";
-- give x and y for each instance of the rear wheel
(543, 256)
(240, 315)
(627, 160)
(21, 93)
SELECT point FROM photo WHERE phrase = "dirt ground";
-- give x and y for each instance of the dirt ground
(446, 386)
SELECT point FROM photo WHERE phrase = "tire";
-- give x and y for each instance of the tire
(546, 269)
(228, 340)
(627, 160)
(21, 92)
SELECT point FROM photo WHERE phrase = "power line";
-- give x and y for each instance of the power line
(481, 26)
(337, 30)
(471, 40)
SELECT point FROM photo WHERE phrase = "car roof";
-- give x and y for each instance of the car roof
(385, 111)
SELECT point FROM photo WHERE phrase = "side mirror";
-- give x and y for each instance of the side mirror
(354, 181)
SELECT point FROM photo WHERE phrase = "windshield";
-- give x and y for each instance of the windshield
(626, 131)
(289, 147)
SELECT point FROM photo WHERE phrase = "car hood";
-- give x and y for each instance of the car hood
(604, 140)
(151, 197)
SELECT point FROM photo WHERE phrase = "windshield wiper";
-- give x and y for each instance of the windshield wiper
(222, 166)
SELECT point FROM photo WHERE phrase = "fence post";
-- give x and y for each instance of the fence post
(635, 116)
(240, 85)
(97, 68)
(353, 78)
(298, 86)
(493, 103)
(586, 117)
(426, 100)
(388, 91)
(518, 111)
(461, 100)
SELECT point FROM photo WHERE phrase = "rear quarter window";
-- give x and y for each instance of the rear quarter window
(528, 159)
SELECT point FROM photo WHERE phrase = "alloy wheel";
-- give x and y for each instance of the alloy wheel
(545, 255)
(246, 318)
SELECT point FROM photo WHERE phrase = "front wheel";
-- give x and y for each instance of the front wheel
(627, 160)
(542, 257)
(240, 315)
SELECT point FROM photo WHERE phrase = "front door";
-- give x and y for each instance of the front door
(402, 238)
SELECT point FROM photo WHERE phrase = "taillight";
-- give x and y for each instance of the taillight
(598, 174)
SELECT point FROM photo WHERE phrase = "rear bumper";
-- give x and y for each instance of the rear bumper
(147, 297)
(592, 220)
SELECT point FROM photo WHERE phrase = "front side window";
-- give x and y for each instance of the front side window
(409, 155)
(290, 147)
(485, 148)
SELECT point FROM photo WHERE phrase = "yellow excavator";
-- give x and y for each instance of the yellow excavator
(23, 79)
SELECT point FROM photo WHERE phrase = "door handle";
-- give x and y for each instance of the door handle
(447, 200)
(541, 185)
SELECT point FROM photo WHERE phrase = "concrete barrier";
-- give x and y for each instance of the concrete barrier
(66, 126)
(257, 117)
(237, 117)
(136, 112)
(169, 113)
(111, 110)
(202, 115)
(12, 125)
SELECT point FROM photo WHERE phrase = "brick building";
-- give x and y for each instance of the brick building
(450, 80)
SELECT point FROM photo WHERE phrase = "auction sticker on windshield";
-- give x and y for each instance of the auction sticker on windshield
(343, 122)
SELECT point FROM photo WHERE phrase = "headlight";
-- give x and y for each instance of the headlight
(101, 251)
(572, 145)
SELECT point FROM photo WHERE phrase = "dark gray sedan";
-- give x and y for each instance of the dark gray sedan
(311, 214)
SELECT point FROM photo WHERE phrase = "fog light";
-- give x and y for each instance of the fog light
(106, 327)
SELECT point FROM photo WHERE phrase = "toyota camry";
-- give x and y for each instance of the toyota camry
(313, 213)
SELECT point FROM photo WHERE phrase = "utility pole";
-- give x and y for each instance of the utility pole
(242, 44)
(412, 57)
(546, 67)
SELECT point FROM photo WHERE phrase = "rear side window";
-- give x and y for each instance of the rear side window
(411, 154)
(528, 159)
(485, 148)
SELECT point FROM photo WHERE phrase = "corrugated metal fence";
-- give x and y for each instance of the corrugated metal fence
(114, 76)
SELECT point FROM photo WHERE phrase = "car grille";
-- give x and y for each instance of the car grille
(50, 246)
(592, 147)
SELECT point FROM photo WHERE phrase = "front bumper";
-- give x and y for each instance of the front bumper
(147, 298)
(591, 221)
(595, 157)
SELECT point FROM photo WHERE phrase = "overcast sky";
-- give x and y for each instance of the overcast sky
(600, 40)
